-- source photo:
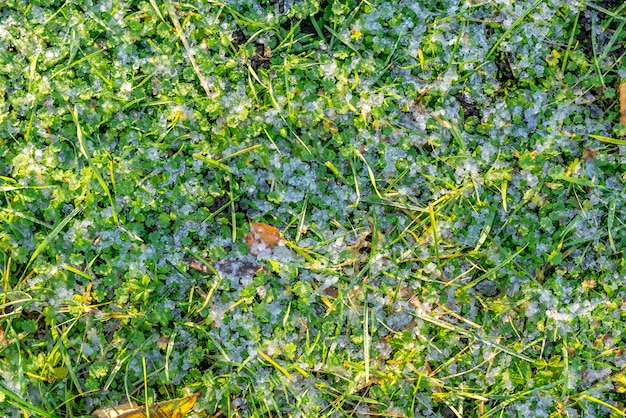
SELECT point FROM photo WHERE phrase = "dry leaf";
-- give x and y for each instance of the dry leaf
(589, 154)
(115, 411)
(262, 238)
(175, 408)
(622, 103)
(331, 291)
(240, 268)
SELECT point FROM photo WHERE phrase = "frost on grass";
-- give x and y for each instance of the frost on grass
(341, 143)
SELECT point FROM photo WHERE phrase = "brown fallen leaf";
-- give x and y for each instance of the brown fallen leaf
(622, 103)
(589, 154)
(241, 268)
(175, 408)
(262, 238)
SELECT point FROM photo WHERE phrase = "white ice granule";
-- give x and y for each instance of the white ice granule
(487, 151)
(590, 375)
(547, 298)
(284, 254)
(559, 316)
(126, 87)
(329, 69)
(469, 168)
(61, 296)
(429, 268)
(530, 178)
(328, 281)
(446, 81)
(275, 309)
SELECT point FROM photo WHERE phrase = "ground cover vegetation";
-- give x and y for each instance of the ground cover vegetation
(446, 179)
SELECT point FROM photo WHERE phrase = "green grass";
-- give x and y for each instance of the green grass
(447, 180)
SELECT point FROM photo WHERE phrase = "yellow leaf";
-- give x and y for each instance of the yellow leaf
(175, 408)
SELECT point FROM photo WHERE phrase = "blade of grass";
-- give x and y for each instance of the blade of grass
(609, 223)
(273, 363)
(77, 271)
(65, 355)
(485, 232)
(85, 58)
(387, 64)
(19, 303)
(336, 35)
(615, 410)
(71, 400)
(5, 281)
(369, 171)
(433, 227)
(302, 217)
(12, 188)
(20, 403)
(217, 282)
(280, 109)
(609, 140)
(503, 194)
(84, 151)
(57, 229)
(514, 25)
(272, 141)
(485, 341)
(335, 171)
(569, 43)
(156, 10)
(607, 11)
(183, 38)
(317, 28)
(565, 369)
(241, 151)
(494, 270)
(301, 251)
(168, 354)
(503, 403)
(366, 337)
(596, 63)
(212, 162)
(120, 359)
(346, 24)
(146, 397)
(576, 180)
(203, 329)
(357, 190)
